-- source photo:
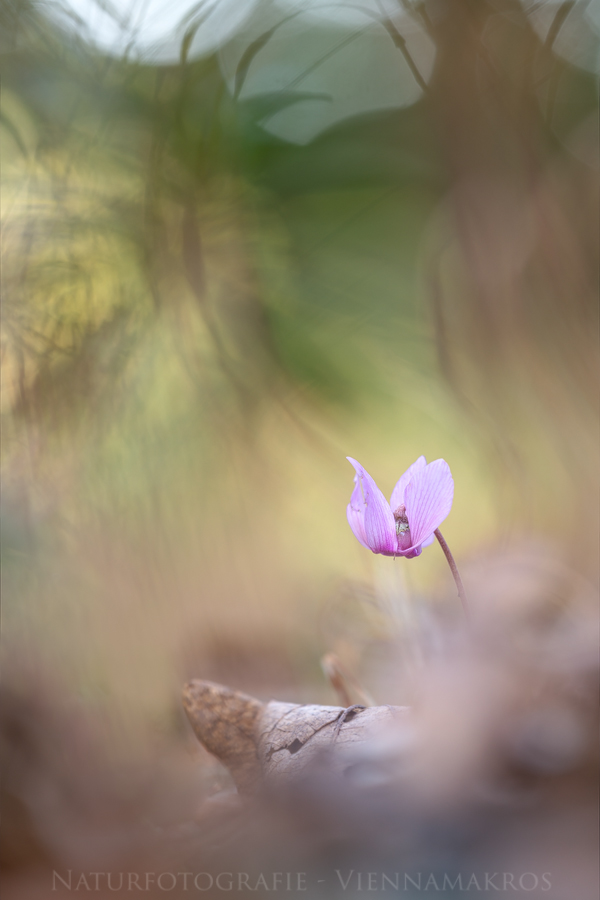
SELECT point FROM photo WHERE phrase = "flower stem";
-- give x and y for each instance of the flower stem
(454, 570)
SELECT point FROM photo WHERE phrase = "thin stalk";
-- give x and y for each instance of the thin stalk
(458, 580)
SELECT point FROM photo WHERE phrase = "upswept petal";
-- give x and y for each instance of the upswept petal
(355, 512)
(397, 498)
(379, 524)
(428, 500)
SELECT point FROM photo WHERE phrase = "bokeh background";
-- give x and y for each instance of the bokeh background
(241, 241)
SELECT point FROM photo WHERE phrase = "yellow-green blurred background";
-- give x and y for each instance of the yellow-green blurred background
(241, 242)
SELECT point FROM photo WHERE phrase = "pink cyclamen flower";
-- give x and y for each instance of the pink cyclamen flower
(419, 504)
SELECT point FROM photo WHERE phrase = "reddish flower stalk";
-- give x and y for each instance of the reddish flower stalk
(455, 573)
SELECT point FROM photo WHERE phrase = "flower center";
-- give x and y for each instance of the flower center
(402, 526)
(402, 529)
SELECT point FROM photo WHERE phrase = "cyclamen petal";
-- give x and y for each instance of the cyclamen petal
(428, 500)
(397, 498)
(355, 513)
(379, 524)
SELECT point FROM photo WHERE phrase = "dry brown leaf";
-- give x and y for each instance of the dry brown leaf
(277, 740)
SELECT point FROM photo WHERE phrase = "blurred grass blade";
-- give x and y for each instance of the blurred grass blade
(191, 31)
(251, 51)
(12, 129)
(558, 22)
